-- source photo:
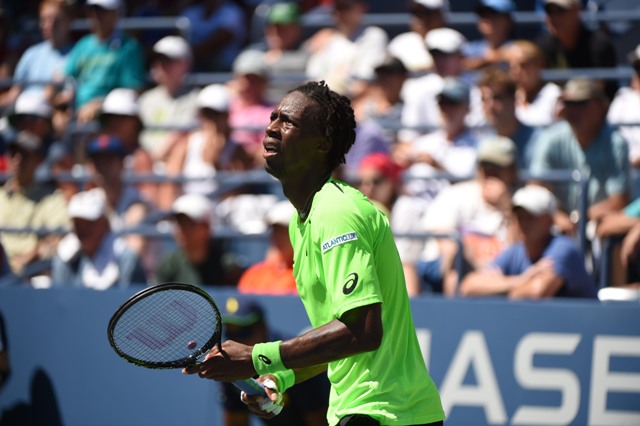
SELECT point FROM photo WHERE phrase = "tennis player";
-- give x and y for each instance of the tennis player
(349, 277)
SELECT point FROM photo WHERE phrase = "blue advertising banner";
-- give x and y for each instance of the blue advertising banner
(495, 362)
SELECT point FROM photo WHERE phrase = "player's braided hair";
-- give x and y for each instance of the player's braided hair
(335, 119)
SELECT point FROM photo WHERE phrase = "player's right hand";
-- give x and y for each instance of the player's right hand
(265, 407)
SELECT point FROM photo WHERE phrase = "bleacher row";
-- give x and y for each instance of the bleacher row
(153, 227)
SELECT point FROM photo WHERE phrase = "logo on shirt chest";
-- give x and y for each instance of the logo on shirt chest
(336, 241)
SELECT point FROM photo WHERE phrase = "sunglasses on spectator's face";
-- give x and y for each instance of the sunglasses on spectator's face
(552, 9)
(576, 104)
(487, 12)
(378, 180)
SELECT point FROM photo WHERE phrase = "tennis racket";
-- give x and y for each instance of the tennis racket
(169, 326)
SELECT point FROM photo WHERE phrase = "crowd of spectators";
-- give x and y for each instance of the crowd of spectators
(118, 166)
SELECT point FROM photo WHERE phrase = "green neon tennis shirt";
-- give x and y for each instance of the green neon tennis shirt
(345, 257)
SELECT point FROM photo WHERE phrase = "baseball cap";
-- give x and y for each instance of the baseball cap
(250, 62)
(241, 312)
(106, 144)
(502, 6)
(105, 4)
(582, 89)
(565, 4)
(121, 101)
(283, 13)
(280, 213)
(30, 103)
(215, 97)
(173, 47)
(535, 199)
(444, 40)
(384, 164)
(431, 4)
(195, 206)
(455, 89)
(27, 141)
(497, 150)
(89, 205)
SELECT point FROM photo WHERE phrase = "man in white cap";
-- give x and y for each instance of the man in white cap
(409, 47)
(102, 61)
(421, 113)
(32, 113)
(171, 103)
(27, 203)
(95, 257)
(119, 116)
(199, 258)
(542, 265)
(570, 44)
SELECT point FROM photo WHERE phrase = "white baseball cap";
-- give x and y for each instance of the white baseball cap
(121, 101)
(535, 199)
(498, 150)
(89, 205)
(30, 103)
(431, 4)
(214, 96)
(445, 40)
(196, 206)
(105, 4)
(173, 47)
(250, 62)
(280, 213)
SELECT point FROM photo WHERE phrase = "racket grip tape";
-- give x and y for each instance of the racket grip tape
(250, 386)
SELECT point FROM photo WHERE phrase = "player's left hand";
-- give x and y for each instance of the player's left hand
(232, 363)
(265, 407)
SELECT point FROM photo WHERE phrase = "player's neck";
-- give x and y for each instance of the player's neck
(301, 192)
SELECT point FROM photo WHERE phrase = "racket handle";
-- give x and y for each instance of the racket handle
(250, 386)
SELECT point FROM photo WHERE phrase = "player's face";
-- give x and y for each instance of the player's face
(293, 140)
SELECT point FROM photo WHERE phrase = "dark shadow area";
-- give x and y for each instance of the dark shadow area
(41, 410)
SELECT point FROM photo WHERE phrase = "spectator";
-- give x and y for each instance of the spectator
(6, 277)
(274, 275)
(97, 258)
(205, 150)
(542, 265)
(171, 102)
(380, 179)
(348, 52)
(536, 100)
(421, 112)
(218, 31)
(41, 63)
(495, 25)
(630, 256)
(584, 142)
(125, 206)
(249, 109)
(32, 113)
(27, 203)
(450, 150)
(102, 61)
(619, 227)
(245, 322)
(570, 44)
(409, 47)
(119, 116)
(382, 99)
(283, 47)
(498, 94)
(199, 258)
(478, 210)
(625, 109)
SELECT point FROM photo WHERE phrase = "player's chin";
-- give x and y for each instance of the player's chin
(273, 168)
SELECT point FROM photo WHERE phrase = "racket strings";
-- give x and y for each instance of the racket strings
(166, 326)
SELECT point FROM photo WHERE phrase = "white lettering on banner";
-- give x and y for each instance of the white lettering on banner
(340, 239)
(424, 341)
(472, 352)
(530, 377)
(603, 381)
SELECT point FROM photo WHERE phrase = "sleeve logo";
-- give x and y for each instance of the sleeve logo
(350, 285)
(340, 239)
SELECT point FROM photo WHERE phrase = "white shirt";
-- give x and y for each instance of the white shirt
(542, 111)
(625, 108)
(195, 167)
(410, 48)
